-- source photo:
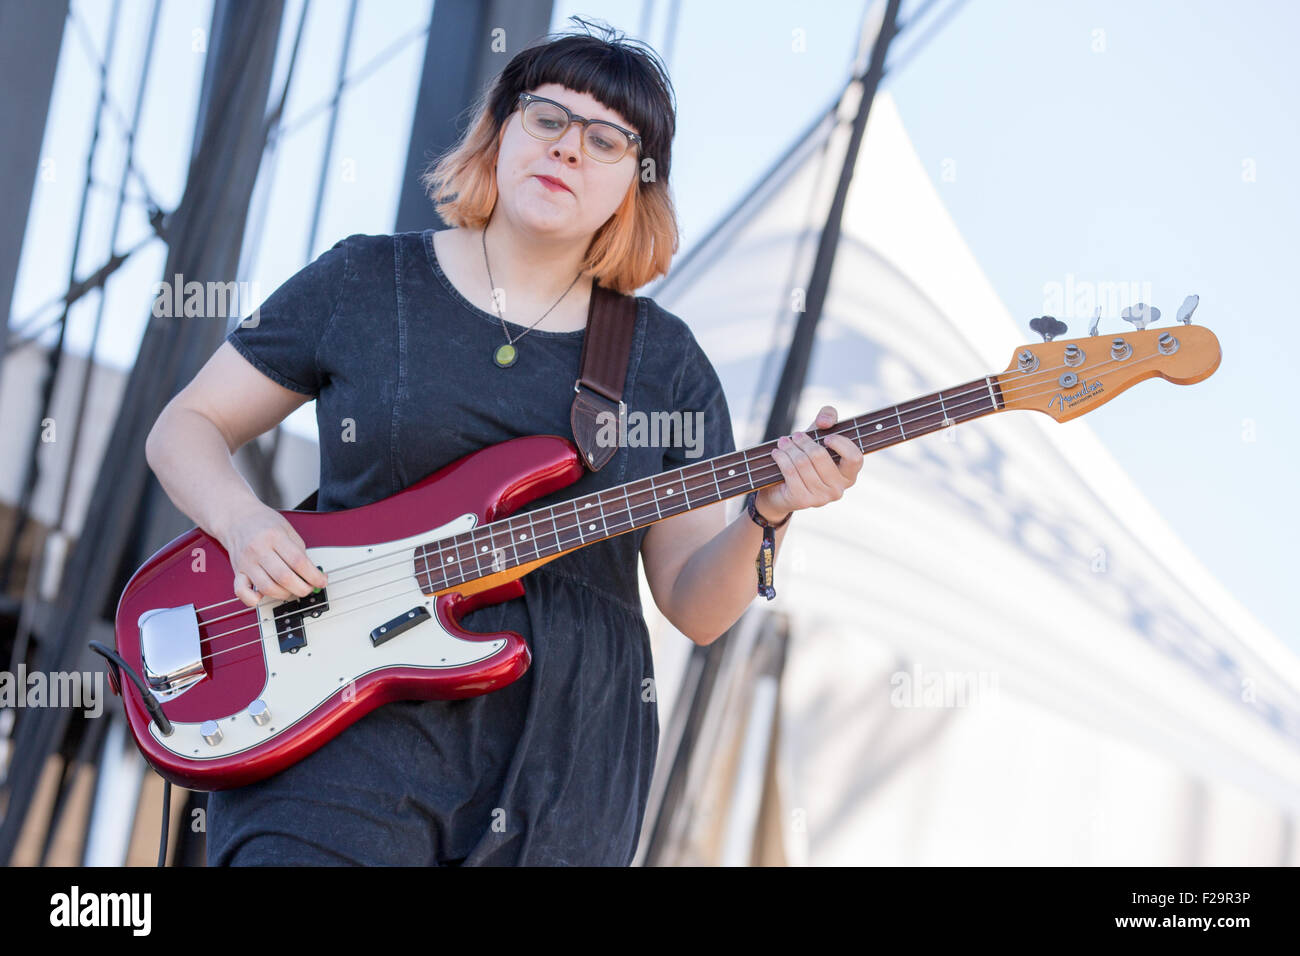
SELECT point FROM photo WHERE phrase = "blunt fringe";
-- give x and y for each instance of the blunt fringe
(637, 243)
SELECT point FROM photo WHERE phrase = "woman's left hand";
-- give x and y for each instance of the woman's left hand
(812, 478)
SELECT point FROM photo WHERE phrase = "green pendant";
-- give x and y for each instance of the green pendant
(505, 356)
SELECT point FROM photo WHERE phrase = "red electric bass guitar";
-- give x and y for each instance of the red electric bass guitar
(239, 693)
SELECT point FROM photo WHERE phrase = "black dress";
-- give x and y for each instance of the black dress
(555, 768)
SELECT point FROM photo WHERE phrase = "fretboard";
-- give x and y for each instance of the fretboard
(569, 525)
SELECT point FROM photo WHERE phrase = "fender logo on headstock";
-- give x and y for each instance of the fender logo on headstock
(1066, 400)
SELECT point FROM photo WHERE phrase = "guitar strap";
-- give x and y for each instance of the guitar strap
(606, 352)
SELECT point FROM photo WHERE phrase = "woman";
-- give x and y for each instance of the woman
(400, 339)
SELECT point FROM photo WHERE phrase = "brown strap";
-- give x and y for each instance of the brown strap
(606, 350)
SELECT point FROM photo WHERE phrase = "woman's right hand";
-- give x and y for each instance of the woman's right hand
(268, 554)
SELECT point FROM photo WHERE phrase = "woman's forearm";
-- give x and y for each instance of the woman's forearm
(719, 579)
(717, 583)
(194, 466)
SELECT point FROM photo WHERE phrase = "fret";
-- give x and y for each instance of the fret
(602, 504)
(641, 491)
(528, 536)
(900, 422)
(483, 551)
(532, 533)
(857, 433)
(437, 554)
(586, 525)
(627, 503)
(608, 511)
(942, 408)
(628, 491)
(497, 548)
(600, 508)
(552, 525)
(577, 522)
(654, 495)
(582, 533)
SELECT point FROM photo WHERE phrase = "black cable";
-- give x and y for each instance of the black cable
(166, 820)
(118, 665)
(150, 701)
(155, 709)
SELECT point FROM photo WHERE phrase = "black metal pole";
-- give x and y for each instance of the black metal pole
(204, 236)
(790, 386)
(31, 32)
(705, 662)
(459, 62)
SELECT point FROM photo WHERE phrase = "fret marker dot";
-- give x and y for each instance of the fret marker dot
(484, 548)
(730, 472)
(670, 491)
(522, 537)
(450, 559)
(591, 527)
(878, 426)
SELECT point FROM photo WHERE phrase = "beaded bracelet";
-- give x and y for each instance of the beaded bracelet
(767, 549)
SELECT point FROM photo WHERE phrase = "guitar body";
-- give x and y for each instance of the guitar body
(276, 685)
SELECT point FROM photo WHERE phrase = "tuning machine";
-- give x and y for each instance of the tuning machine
(1141, 315)
(1048, 327)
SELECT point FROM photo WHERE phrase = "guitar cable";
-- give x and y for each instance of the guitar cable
(164, 725)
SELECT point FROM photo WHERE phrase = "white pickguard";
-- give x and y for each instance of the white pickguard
(369, 586)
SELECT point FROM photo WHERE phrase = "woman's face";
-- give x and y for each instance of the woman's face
(595, 189)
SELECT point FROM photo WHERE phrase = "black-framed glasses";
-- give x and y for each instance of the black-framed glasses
(603, 141)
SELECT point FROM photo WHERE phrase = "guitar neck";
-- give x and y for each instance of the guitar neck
(548, 532)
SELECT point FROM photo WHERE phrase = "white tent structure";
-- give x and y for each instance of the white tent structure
(999, 652)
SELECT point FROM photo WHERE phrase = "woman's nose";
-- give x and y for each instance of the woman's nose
(569, 146)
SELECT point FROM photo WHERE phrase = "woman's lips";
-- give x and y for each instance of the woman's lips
(552, 184)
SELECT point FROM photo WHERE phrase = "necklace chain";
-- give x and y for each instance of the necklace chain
(497, 307)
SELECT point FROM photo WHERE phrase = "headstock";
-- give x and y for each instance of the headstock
(1070, 377)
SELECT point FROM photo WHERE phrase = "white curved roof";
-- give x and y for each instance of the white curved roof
(1123, 708)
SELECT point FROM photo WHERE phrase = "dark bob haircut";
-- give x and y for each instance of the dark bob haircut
(637, 242)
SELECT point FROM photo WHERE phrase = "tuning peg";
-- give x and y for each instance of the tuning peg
(1187, 308)
(1096, 320)
(1048, 327)
(1141, 314)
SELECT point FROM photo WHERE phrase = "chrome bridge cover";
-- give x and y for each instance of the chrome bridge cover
(170, 647)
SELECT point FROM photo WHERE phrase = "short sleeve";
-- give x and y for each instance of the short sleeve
(282, 336)
(699, 392)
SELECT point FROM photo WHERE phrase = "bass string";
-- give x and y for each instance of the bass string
(763, 472)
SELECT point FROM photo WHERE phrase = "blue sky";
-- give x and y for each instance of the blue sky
(1145, 142)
